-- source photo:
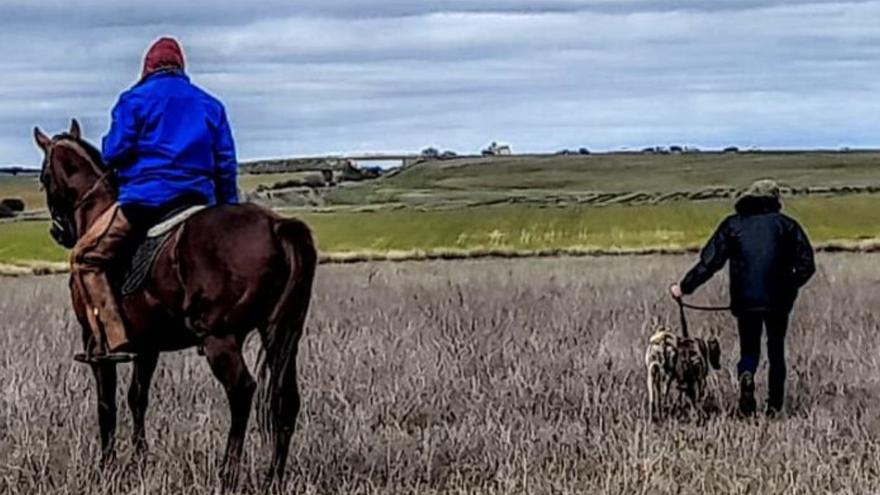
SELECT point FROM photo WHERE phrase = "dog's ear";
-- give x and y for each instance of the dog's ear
(714, 353)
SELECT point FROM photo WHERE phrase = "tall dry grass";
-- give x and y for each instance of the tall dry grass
(503, 376)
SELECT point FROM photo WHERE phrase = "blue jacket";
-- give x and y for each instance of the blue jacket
(169, 138)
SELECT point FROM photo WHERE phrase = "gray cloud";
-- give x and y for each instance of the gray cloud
(342, 76)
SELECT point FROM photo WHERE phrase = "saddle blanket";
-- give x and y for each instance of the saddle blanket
(137, 271)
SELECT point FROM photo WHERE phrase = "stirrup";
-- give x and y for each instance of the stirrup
(109, 357)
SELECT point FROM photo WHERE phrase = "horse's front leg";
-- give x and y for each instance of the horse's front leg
(138, 397)
(105, 381)
(104, 373)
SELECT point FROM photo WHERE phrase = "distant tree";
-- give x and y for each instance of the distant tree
(584, 151)
(448, 154)
(430, 153)
(11, 170)
(731, 149)
(675, 149)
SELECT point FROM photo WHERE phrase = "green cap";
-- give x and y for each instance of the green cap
(764, 188)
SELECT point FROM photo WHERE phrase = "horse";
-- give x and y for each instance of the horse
(225, 272)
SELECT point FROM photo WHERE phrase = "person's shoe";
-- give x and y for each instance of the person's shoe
(774, 407)
(747, 404)
(773, 412)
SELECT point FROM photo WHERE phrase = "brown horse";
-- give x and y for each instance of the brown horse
(226, 271)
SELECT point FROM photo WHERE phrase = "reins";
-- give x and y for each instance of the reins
(681, 311)
(85, 197)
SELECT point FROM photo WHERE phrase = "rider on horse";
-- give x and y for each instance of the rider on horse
(171, 146)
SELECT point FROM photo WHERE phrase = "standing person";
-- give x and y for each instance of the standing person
(171, 146)
(770, 260)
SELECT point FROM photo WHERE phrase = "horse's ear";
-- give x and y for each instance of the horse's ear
(42, 140)
(74, 129)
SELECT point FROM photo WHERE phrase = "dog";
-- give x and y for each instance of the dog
(678, 374)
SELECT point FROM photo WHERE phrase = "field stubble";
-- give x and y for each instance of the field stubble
(477, 376)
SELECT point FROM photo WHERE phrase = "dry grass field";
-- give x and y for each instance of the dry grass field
(469, 377)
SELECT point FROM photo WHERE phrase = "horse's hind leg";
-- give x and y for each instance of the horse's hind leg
(105, 381)
(224, 356)
(138, 397)
(284, 408)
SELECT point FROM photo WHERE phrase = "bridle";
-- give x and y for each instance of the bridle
(63, 225)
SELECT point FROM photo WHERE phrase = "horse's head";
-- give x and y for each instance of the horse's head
(75, 182)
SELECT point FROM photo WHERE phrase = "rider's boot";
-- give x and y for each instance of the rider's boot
(103, 314)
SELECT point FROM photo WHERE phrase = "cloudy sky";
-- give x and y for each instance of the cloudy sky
(334, 76)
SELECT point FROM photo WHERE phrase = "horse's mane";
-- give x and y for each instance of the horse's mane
(93, 153)
(90, 149)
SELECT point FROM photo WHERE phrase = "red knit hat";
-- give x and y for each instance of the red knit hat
(165, 53)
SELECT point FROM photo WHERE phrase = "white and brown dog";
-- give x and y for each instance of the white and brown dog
(678, 374)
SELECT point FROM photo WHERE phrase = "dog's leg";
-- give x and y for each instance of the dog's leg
(654, 394)
(712, 400)
(699, 402)
(667, 403)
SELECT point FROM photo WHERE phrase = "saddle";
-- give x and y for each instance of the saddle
(135, 265)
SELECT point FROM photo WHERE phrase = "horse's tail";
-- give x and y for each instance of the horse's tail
(285, 326)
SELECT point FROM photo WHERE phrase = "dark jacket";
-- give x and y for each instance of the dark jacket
(770, 257)
(168, 139)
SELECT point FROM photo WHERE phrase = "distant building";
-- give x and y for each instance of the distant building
(496, 149)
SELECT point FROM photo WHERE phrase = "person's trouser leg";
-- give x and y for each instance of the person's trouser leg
(777, 326)
(91, 256)
(750, 329)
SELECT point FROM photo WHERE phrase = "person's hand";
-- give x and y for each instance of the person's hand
(676, 292)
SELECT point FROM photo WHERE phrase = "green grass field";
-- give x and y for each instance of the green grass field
(446, 206)
(520, 228)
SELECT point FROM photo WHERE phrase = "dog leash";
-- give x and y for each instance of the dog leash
(681, 311)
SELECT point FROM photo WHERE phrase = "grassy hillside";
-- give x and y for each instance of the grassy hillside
(537, 178)
(636, 172)
(473, 181)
